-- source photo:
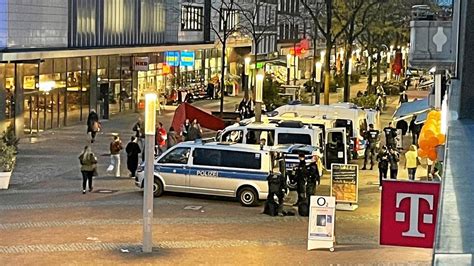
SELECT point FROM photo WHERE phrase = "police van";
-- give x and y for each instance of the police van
(220, 169)
(284, 132)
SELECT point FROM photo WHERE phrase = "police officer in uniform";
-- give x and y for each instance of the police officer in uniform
(372, 138)
(390, 135)
(301, 178)
(313, 178)
(276, 187)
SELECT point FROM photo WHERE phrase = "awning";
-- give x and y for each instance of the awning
(421, 118)
(408, 109)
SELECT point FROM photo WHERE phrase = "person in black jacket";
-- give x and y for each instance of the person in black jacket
(415, 130)
(382, 158)
(372, 137)
(313, 178)
(390, 135)
(133, 150)
(393, 158)
(93, 125)
(301, 179)
(276, 187)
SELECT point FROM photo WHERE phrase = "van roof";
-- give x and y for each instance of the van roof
(220, 145)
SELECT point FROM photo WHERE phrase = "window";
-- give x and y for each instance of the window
(347, 124)
(233, 136)
(287, 138)
(191, 18)
(254, 136)
(362, 126)
(223, 158)
(231, 16)
(177, 156)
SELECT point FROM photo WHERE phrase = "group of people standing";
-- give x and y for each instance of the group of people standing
(388, 157)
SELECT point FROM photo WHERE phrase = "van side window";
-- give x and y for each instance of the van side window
(287, 138)
(347, 124)
(362, 126)
(255, 135)
(223, 158)
(233, 136)
(177, 156)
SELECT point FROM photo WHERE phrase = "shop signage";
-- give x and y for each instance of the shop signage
(321, 222)
(344, 182)
(408, 213)
(140, 63)
(172, 58)
(187, 58)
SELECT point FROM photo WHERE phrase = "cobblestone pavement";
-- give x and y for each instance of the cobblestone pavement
(46, 220)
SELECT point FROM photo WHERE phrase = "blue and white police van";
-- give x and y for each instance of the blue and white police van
(214, 168)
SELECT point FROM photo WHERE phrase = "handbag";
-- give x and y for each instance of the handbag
(94, 172)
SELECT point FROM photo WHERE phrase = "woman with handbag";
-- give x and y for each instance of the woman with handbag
(93, 124)
(88, 167)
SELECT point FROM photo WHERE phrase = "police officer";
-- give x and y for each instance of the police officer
(313, 177)
(383, 160)
(372, 138)
(301, 178)
(390, 135)
(276, 187)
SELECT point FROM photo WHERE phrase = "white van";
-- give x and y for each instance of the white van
(344, 115)
(220, 169)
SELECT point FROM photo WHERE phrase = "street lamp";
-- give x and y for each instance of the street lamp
(258, 97)
(150, 118)
(389, 69)
(319, 68)
(323, 55)
(288, 68)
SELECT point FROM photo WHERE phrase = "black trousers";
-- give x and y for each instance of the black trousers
(93, 133)
(414, 137)
(393, 173)
(87, 177)
(382, 174)
(369, 152)
(310, 186)
(301, 189)
(280, 195)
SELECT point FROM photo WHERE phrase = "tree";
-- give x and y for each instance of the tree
(257, 24)
(223, 23)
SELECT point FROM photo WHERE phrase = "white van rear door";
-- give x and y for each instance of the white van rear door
(335, 147)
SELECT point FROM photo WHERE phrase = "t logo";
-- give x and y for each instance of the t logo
(414, 212)
(408, 213)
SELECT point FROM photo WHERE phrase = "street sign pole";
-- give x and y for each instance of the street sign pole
(150, 116)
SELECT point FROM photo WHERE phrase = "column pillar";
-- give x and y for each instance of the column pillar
(93, 83)
(19, 102)
(2, 94)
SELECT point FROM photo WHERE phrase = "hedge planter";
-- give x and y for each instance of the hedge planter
(5, 179)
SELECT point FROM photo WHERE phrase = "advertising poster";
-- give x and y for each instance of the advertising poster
(140, 63)
(187, 58)
(344, 182)
(172, 58)
(408, 213)
(321, 222)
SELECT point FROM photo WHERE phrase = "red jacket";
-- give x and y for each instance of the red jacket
(160, 137)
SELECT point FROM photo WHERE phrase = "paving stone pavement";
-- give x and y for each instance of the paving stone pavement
(45, 220)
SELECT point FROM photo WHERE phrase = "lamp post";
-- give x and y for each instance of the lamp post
(258, 97)
(389, 69)
(150, 116)
(245, 79)
(288, 68)
(319, 68)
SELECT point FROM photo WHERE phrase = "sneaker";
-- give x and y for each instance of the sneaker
(371, 168)
(83, 192)
(363, 168)
(90, 189)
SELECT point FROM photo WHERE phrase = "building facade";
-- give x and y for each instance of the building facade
(59, 59)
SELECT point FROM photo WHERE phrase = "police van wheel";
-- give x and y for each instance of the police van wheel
(157, 188)
(248, 196)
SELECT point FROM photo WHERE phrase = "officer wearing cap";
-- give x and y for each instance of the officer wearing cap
(390, 135)
(372, 137)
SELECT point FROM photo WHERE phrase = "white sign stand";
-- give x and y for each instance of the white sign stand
(322, 217)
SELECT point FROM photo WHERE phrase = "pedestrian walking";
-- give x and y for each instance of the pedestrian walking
(160, 139)
(172, 139)
(314, 177)
(93, 124)
(411, 162)
(403, 97)
(390, 135)
(139, 130)
(393, 158)
(382, 159)
(115, 148)
(372, 137)
(88, 163)
(185, 129)
(414, 129)
(132, 150)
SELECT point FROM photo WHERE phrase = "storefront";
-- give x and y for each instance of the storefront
(41, 94)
